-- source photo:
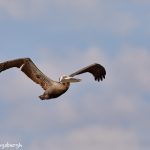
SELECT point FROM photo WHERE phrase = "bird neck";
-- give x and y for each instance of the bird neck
(67, 84)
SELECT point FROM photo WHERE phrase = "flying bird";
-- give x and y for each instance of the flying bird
(52, 89)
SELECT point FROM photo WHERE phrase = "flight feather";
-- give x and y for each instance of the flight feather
(30, 69)
(97, 70)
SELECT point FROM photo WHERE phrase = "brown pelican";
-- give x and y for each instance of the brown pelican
(53, 89)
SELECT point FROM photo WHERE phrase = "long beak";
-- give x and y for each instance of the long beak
(70, 80)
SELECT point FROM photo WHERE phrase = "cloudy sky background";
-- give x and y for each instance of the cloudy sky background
(61, 36)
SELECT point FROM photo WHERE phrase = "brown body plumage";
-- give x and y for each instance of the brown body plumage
(53, 89)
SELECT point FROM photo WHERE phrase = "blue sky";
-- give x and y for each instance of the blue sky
(61, 37)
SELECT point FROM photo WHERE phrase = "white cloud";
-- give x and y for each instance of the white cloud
(116, 99)
(93, 137)
(17, 86)
(13, 8)
(136, 65)
(74, 15)
(121, 72)
(33, 8)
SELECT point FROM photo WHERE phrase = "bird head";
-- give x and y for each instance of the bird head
(68, 79)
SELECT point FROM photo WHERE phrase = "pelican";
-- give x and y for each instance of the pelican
(52, 89)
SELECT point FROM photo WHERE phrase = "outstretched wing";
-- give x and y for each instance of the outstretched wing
(30, 69)
(96, 70)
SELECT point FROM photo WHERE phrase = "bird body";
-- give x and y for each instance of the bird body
(53, 89)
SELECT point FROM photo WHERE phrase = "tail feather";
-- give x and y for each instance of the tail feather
(44, 97)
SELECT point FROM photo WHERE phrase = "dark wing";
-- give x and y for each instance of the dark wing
(30, 69)
(96, 70)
